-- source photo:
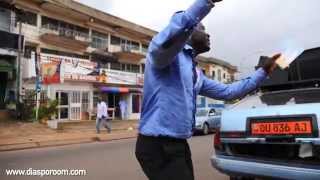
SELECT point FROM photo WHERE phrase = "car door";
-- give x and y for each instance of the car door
(211, 117)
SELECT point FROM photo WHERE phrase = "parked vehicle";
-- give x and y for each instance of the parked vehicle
(274, 134)
(207, 120)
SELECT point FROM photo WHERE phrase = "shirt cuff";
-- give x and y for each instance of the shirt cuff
(260, 75)
(199, 10)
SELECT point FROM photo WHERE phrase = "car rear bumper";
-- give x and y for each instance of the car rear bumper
(249, 167)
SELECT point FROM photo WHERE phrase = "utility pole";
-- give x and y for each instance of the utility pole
(18, 93)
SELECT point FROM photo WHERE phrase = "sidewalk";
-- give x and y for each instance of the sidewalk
(17, 135)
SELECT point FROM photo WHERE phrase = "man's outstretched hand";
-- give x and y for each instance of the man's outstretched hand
(271, 64)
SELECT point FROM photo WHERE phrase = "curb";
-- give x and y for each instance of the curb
(53, 143)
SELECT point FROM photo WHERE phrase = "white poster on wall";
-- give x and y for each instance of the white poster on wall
(119, 77)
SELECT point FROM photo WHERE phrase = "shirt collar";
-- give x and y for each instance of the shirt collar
(190, 50)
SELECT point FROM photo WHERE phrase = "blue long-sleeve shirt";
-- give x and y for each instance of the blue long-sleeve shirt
(169, 101)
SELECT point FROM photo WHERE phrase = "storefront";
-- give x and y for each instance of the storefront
(78, 83)
(132, 98)
(75, 100)
(7, 80)
(8, 58)
(68, 80)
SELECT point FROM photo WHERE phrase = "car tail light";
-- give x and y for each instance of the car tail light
(217, 140)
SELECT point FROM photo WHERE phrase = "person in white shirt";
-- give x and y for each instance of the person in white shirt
(102, 116)
(123, 109)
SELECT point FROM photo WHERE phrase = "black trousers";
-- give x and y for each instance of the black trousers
(164, 158)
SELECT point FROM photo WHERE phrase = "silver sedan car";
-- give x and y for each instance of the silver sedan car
(207, 120)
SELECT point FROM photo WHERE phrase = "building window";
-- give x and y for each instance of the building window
(128, 45)
(213, 74)
(64, 29)
(135, 46)
(130, 68)
(203, 71)
(85, 102)
(115, 40)
(115, 66)
(5, 19)
(144, 48)
(143, 68)
(28, 50)
(95, 98)
(219, 75)
(49, 23)
(27, 17)
(31, 96)
(135, 68)
(99, 40)
(136, 103)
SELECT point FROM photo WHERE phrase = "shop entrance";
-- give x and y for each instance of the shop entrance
(72, 104)
(63, 98)
(113, 102)
(75, 105)
(69, 105)
(3, 88)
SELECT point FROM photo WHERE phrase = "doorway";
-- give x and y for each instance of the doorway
(113, 102)
(75, 105)
(63, 107)
(3, 88)
(70, 105)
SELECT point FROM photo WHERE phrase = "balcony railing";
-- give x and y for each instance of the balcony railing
(66, 32)
(129, 48)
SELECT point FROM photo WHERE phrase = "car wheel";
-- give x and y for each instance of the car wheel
(205, 129)
(241, 178)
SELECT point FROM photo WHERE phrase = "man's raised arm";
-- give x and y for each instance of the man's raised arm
(165, 46)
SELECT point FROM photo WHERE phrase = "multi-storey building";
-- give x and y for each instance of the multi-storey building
(95, 53)
(217, 70)
(90, 43)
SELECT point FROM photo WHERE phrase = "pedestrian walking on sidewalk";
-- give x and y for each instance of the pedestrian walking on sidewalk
(102, 116)
(171, 85)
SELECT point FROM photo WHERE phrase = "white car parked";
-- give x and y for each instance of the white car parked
(274, 134)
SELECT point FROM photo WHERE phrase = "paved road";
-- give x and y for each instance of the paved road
(108, 160)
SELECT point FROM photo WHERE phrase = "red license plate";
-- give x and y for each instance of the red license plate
(301, 127)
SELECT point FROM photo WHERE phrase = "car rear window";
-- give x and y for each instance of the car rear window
(297, 96)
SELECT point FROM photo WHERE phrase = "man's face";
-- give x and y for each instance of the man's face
(200, 40)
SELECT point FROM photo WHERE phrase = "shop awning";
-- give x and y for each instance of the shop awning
(119, 89)
(114, 90)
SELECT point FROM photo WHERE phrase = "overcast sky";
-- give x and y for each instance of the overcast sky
(241, 30)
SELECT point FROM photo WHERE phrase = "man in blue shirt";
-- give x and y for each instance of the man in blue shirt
(171, 85)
